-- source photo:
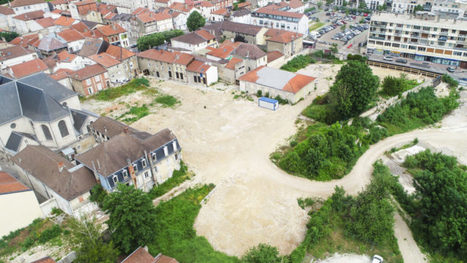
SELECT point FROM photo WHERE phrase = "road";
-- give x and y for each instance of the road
(407, 245)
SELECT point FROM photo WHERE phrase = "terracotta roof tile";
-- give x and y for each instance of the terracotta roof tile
(165, 259)
(64, 56)
(110, 30)
(8, 184)
(70, 35)
(25, 41)
(104, 60)
(88, 72)
(221, 12)
(251, 76)
(28, 68)
(61, 74)
(18, 3)
(30, 15)
(119, 53)
(13, 52)
(140, 255)
(295, 3)
(45, 22)
(4, 10)
(273, 11)
(64, 21)
(232, 62)
(297, 83)
(181, 7)
(197, 66)
(273, 55)
(281, 36)
(167, 56)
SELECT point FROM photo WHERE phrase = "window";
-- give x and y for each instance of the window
(63, 129)
(96, 78)
(143, 163)
(176, 156)
(46, 132)
(181, 76)
(88, 81)
(124, 173)
(115, 179)
(154, 158)
(146, 174)
(99, 86)
(135, 167)
(90, 91)
(166, 151)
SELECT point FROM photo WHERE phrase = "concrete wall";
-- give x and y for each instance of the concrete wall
(18, 210)
(252, 88)
(17, 60)
(30, 8)
(163, 69)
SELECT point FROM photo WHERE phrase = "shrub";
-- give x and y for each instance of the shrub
(50, 233)
(156, 39)
(450, 81)
(298, 62)
(98, 194)
(259, 93)
(167, 100)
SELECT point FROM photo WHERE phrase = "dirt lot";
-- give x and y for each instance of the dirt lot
(228, 143)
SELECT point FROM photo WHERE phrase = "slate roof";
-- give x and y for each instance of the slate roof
(37, 97)
(80, 117)
(9, 184)
(44, 164)
(114, 154)
(277, 79)
(16, 138)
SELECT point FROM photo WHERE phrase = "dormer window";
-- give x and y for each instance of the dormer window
(135, 167)
(143, 163)
(115, 179)
(166, 151)
(125, 173)
(154, 158)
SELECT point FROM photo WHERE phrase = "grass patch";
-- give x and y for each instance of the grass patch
(178, 177)
(167, 100)
(135, 113)
(111, 94)
(175, 235)
(316, 26)
(298, 62)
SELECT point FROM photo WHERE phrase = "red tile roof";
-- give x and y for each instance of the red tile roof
(221, 12)
(251, 76)
(167, 56)
(297, 83)
(25, 41)
(70, 35)
(28, 68)
(232, 62)
(281, 36)
(61, 74)
(295, 3)
(104, 60)
(64, 56)
(110, 30)
(64, 21)
(140, 255)
(273, 55)
(8, 184)
(184, 8)
(119, 53)
(30, 15)
(273, 11)
(4, 10)
(18, 3)
(165, 259)
(45, 22)
(197, 66)
(88, 72)
(13, 52)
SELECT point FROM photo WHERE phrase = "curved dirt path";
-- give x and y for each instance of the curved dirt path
(228, 143)
(407, 245)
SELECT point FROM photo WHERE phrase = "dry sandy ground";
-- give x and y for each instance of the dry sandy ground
(345, 258)
(228, 143)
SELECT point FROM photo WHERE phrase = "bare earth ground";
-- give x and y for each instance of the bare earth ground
(228, 143)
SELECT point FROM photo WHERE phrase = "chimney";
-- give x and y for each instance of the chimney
(125, 130)
(60, 166)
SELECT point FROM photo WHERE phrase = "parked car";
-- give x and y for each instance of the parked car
(377, 259)
(451, 69)
(401, 60)
(388, 58)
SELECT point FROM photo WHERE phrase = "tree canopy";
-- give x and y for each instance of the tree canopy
(354, 88)
(131, 217)
(263, 253)
(156, 39)
(8, 36)
(195, 21)
(90, 248)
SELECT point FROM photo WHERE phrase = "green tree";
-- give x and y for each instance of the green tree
(90, 248)
(8, 36)
(195, 21)
(156, 39)
(320, 4)
(131, 217)
(235, 6)
(263, 253)
(333, 48)
(418, 8)
(354, 88)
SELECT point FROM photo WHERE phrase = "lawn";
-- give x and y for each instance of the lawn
(126, 89)
(316, 26)
(176, 236)
(135, 113)
(167, 100)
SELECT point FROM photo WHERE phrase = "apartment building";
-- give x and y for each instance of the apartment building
(454, 8)
(423, 37)
(278, 17)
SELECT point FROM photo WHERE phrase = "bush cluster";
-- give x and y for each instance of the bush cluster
(298, 62)
(156, 39)
(393, 86)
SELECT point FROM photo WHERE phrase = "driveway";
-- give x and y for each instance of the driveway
(228, 143)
